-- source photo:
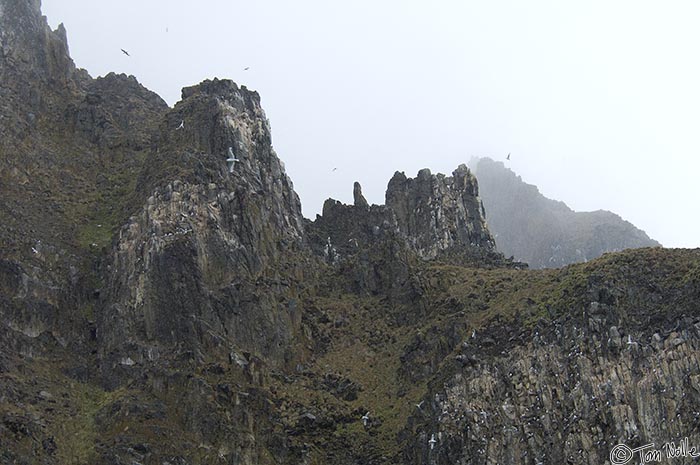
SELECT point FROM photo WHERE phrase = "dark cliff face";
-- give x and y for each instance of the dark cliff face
(71, 147)
(213, 257)
(546, 233)
(612, 359)
(378, 247)
(162, 300)
(439, 212)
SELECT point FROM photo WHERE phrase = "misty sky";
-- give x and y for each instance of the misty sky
(598, 101)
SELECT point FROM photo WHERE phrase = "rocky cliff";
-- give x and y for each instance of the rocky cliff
(163, 301)
(424, 218)
(546, 233)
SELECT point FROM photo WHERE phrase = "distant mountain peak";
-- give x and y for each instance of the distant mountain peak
(546, 233)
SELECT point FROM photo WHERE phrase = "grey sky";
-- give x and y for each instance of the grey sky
(597, 101)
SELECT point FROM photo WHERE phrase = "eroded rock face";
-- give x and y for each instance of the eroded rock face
(429, 217)
(69, 147)
(359, 199)
(162, 300)
(437, 213)
(566, 400)
(212, 258)
(34, 67)
(610, 370)
(431, 214)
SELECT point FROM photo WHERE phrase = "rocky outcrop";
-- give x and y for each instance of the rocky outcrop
(546, 233)
(603, 369)
(214, 258)
(437, 213)
(426, 218)
(34, 63)
(162, 300)
(431, 214)
(359, 199)
(64, 187)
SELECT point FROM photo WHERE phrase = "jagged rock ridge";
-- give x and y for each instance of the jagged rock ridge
(160, 306)
(546, 233)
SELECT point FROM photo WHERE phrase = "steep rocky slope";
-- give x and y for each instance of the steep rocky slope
(546, 233)
(160, 306)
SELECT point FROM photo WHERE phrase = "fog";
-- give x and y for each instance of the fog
(597, 102)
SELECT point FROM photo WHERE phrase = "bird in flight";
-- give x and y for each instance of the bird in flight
(335, 169)
(508, 157)
(365, 419)
(246, 68)
(125, 52)
(231, 160)
(231, 163)
(432, 442)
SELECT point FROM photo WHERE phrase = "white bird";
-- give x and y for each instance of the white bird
(231, 163)
(34, 250)
(365, 419)
(432, 441)
(421, 404)
(473, 333)
(231, 160)
(182, 125)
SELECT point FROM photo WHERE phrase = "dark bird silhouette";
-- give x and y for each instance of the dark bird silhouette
(246, 68)
(508, 157)
(125, 52)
